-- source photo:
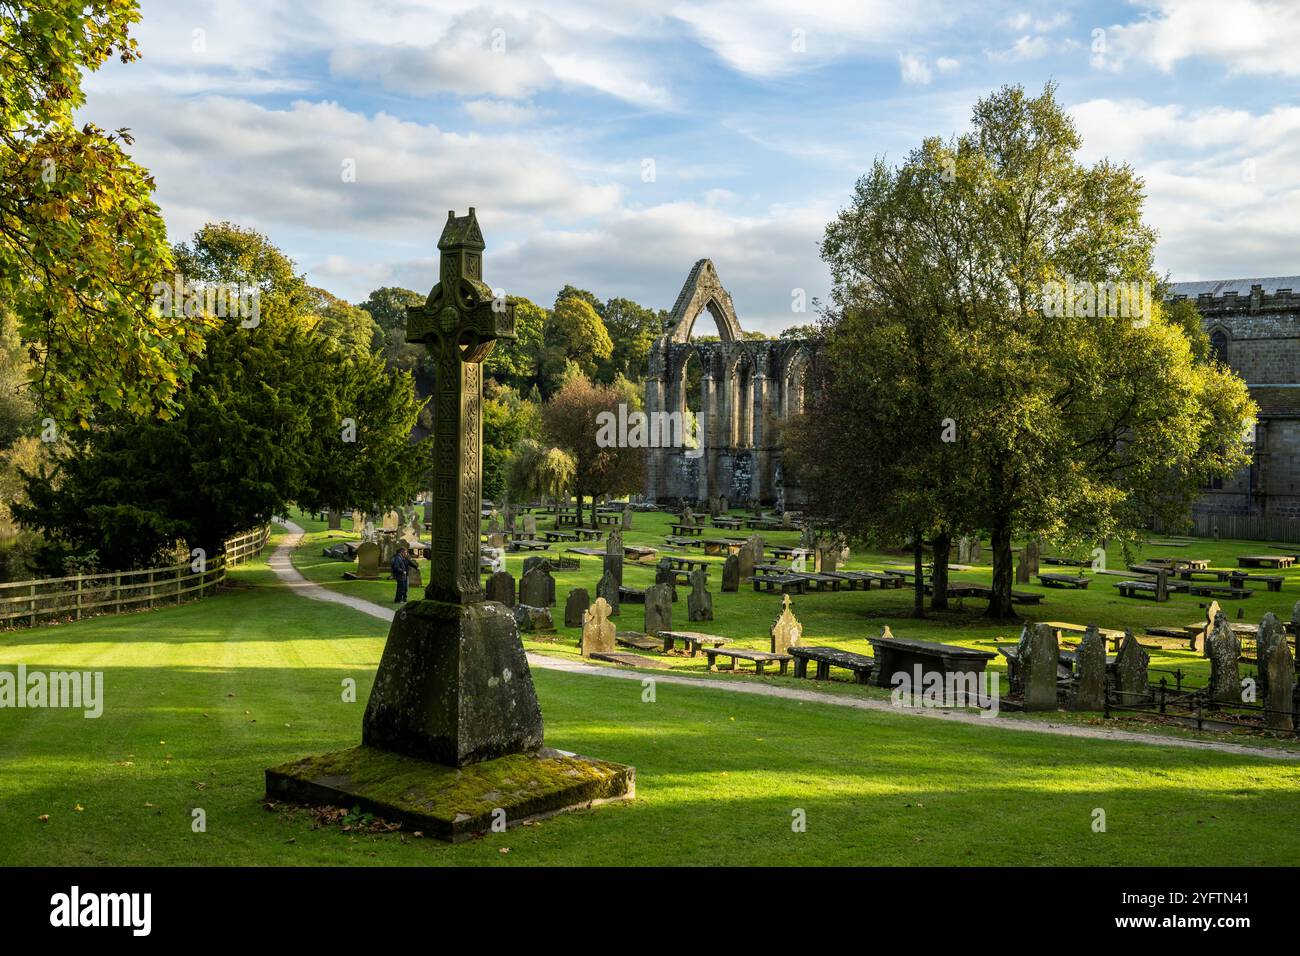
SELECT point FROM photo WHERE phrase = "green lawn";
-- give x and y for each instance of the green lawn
(201, 698)
(845, 619)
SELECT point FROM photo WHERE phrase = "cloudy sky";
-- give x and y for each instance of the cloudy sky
(611, 144)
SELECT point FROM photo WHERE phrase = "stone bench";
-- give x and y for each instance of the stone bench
(1278, 561)
(559, 536)
(682, 530)
(826, 657)
(691, 640)
(760, 658)
(782, 583)
(726, 522)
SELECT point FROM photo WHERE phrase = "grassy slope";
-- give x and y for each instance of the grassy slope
(201, 698)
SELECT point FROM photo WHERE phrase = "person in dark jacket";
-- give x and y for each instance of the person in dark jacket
(402, 572)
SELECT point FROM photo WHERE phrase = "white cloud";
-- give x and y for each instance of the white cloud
(913, 69)
(1250, 36)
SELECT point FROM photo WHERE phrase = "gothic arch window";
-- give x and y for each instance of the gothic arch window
(1219, 345)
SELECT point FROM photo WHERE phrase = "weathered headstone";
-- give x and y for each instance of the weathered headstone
(786, 630)
(537, 587)
(501, 587)
(1269, 633)
(533, 619)
(1131, 680)
(976, 551)
(1032, 551)
(494, 524)
(368, 560)
(576, 606)
(530, 526)
(614, 556)
(1090, 670)
(750, 554)
(731, 573)
(963, 550)
(665, 575)
(1022, 569)
(1201, 639)
(1279, 700)
(827, 557)
(1040, 655)
(627, 516)
(699, 603)
(607, 590)
(658, 609)
(1224, 648)
(335, 520)
(496, 540)
(1162, 586)
(597, 629)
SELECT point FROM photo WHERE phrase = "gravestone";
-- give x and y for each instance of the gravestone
(750, 554)
(576, 606)
(496, 541)
(963, 550)
(368, 560)
(494, 525)
(1040, 655)
(453, 703)
(827, 557)
(627, 517)
(665, 575)
(530, 526)
(976, 551)
(537, 561)
(731, 573)
(786, 630)
(658, 609)
(1295, 618)
(1090, 669)
(699, 603)
(1131, 683)
(415, 577)
(607, 589)
(614, 556)
(335, 520)
(1269, 633)
(1224, 649)
(1279, 666)
(597, 630)
(714, 510)
(1032, 551)
(1022, 569)
(537, 587)
(1162, 586)
(1201, 639)
(501, 587)
(531, 619)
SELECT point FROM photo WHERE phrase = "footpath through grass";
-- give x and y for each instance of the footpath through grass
(200, 699)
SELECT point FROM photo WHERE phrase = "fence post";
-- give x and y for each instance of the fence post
(78, 611)
(32, 593)
(1164, 682)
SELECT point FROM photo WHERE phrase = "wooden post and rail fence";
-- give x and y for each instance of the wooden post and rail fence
(70, 598)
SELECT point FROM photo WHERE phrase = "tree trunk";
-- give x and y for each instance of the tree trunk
(918, 565)
(1000, 608)
(942, 546)
(578, 512)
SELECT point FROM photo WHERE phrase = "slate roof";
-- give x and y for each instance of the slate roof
(1218, 287)
(1277, 400)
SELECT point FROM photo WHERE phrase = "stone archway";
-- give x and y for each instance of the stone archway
(703, 290)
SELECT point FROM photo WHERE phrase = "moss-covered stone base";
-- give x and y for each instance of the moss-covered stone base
(446, 802)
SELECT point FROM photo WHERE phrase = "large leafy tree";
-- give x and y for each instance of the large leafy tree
(571, 423)
(387, 307)
(1010, 419)
(82, 243)
(575, 333)
(632, 329)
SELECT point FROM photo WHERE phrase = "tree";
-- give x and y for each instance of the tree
(82, 244)
(632, 331)
(517, 361)
(575, 333)
(349, 326)
(507, 420)
(571, 422)
(1066, 426)
(541, 470)
(387, 307)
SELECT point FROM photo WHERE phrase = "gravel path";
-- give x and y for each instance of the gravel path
(292, 578)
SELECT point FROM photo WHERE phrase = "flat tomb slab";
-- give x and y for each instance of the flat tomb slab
(627, 660)
(446, 802)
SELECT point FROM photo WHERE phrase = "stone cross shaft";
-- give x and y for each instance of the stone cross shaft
(458, 323)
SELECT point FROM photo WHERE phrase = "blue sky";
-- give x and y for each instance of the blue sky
(611, 145)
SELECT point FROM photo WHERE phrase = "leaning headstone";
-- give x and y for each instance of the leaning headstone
(607, 591)
(597, 629)
(1201, 639)
(537, 588)
(530, 526)
(786, 630)
(501, 587)
(731, 573)
(1279, 665)
(699, 603)
(368, 560)
(1090, 668)
(1131, 681)
(1270, 632)
(1040, 656)
(576, 606)
(1224, 648)
(658, 609)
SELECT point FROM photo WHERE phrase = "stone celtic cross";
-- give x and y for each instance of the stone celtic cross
(458, 323)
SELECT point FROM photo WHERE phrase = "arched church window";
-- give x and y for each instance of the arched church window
(1219, 345)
